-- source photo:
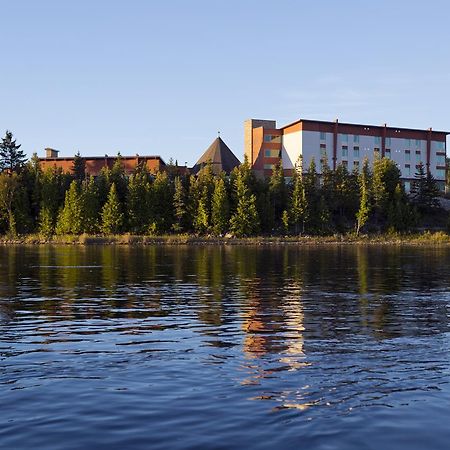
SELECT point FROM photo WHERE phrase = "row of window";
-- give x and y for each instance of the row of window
(407, 142)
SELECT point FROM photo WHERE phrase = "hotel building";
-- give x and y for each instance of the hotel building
(343, 143)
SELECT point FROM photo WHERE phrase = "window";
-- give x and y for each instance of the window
(407, 155)
(323, 150)
(440, 145)
(355, 152)
(407, 170)
(387, 153)
(344, 150)
(376, 152)
(440, 160)
(440, 173)
(356, 165)
(269, 166)
(272, 138)
(356, 138)
(344, 137)
(408, 143)
(417, 142)
(388, 142)
(418, 156)
(269, 153)
(345, 163)
(323, 136)
(407, 186)
(377, 140)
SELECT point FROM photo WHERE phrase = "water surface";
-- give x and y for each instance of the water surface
(224, 347)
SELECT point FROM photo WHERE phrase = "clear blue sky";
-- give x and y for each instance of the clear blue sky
(162, 77)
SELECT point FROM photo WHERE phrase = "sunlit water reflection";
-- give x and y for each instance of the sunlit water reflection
(224, 347)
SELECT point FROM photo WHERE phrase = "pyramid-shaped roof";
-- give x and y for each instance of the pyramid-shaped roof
(221, 157)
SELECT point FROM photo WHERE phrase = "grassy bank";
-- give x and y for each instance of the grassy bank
(426, 238)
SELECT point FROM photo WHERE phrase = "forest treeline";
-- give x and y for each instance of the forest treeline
(51, 202)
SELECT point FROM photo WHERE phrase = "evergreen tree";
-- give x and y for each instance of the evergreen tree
(180, 206)
(91, 206)
(12, 159)
(79, 167)
(201, 219)
(245, 220)
(53, 195)
(312, 193)
(298, 205)
(400, 216)
(220, 207)
(112, 215)
(362, 216)
(70, 218)
(137, 202)
(277, 192)
(160, 204)
(386, 177)
(424, 190)
(117, 176)
(9, 186)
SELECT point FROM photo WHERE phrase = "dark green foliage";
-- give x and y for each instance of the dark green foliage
(277, 194)
(245, 220)
(12, 159)
(137, 204)
(91, 206)
(424, 190)
(79, 167)
(70, 218)
(180, 207)
(160, 204)
(112, 215)
(220, 207)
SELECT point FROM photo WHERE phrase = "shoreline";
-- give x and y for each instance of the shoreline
(426, 238)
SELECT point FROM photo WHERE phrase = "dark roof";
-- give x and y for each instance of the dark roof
(362, 126)
(221, 157)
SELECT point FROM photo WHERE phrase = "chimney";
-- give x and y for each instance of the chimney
(51, 153)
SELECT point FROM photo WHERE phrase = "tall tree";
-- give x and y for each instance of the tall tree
(180, 206)
(137, 201)
(424, 190)
(298, 204)
(70, 218)
(278, 193)
(9, 185)
(220, 207)
(91, 206)
(79, 167)
(12, 159)
(362, 216)
(112, 215)
(245, 220)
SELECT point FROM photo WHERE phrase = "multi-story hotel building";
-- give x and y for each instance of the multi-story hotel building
(343, 143)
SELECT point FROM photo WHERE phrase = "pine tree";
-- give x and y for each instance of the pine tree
(137, 202)
(160, 204)
(70, 218)
(112, 215)
(312, 193)
(400, 216)
(53, 194)
(424, 190)
(277, 192)
(9, 186)
(362, 216)
(91, 206)
(220, 207)
(201, 219)
(12, 159)
(245, 220)
(79, 167)
(180, 206)
(298, 205)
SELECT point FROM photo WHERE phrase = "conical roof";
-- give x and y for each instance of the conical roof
(221, 157)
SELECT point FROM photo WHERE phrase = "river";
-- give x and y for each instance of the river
(224, 347)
